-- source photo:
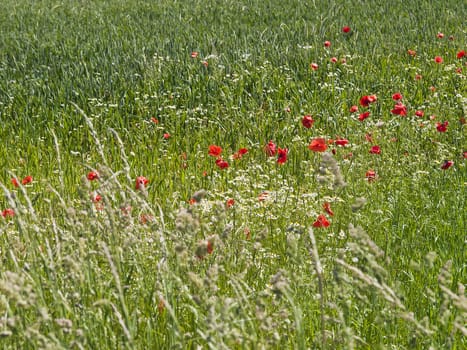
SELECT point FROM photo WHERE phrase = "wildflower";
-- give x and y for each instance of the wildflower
(282, 155)
(333, 59)
(367, 99)
(353, 109)
(205, 63)
(318, 145)
(321, 221)
(215, 151)
(442, 127)
(370, 175)
(464, 154)
(341, 142)
(375, 150)
(327, 208)
(418, 77)
(438, 59)
(92, 175)
(440, 35)
(141, 182)
(8, 213)
(222, 163)
(363, 116)
(419, 113)
(240, 153)
(270, 149)
(327, 43)
(346, 29)
(397, 96)
(230, 202)
(154, 120)
(399, 109)
(166, 136)
(15, 182)
(314, 66)
(447, 164)
(412, 53)
(194, 54)
(460, 54)
(307, 121)
(263, 195)
(26, 180)
(95, 197)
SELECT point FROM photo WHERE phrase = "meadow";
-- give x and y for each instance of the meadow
(233, 174)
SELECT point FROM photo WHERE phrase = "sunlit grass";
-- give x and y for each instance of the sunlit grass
(215, 256)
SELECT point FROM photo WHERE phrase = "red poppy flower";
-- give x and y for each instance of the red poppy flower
(222, 163)
(240, 153)
(370, 175)
(27, 180)
(15, 182)
(333, 59)
(440, 35)
(327, 208)
(154, 120)
(270, 149)
(318, 145)
(194, 54)
(327, 43)
(95, 197)
(375, 150)
(397, 96)
(460, 54)
(442, 127)
(418, 77)
(92, 175)
(353, 109)
(366, 100)
(419, 113)
(447, 164)
(465, 154)
(341, 142)
(209, 247)
(399, 109)
(346, 29)
(363, 116)
(205, 63)
(438, 59)
(215, 151)
(141, 182)
(412, 52)
(321, 221)
(230, 202)
(282, 155)
(8, 213)
(307, 121)
(166, 136)
(314, 66)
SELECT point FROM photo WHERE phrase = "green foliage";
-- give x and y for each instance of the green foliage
(114, 263)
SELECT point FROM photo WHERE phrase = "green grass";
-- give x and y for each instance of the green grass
(79, 84)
